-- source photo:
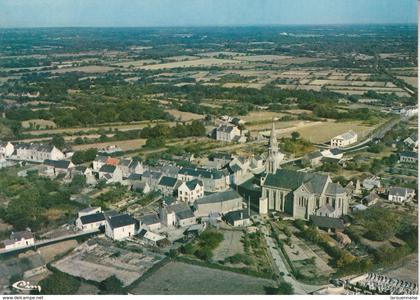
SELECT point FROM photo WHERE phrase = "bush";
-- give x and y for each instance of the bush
(59, 284)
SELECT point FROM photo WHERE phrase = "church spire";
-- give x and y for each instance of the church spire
(274, 155)
(273, 146)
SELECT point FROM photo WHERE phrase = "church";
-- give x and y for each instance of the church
(296, 193)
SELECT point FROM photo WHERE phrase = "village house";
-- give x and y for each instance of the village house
(409, 157)
(371, 199)
(400, 195)
(190, 191)
(150, 222)
(90, 218)
(18, 240)
(301, 194)
(228, 133)
(6, 149)
(221, 203)
(328, 223)
(120, 226)
(36, 153)
(178, 214)
(153, 239)
(313, 159)
(168, 185)
(412, 141)
(152, 178)
(56, 167)
(219, 160)
(110, 173)
(102, 160)
(129, 166)
(371, 183)
(238, 218)
(344, 140)
(213, 180)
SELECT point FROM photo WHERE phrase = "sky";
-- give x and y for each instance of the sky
(151, 13)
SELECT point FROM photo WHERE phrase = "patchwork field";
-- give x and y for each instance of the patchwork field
(124, 145)
(176, 278)
(204, 62)
(184, 116)
(321, 132)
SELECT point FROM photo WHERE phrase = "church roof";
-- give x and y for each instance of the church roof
(291, 180)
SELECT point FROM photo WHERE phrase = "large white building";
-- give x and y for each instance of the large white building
(227, 133)
(18, 240)
(221, 203)
(120, 226)
(400, 195)
(37, 153)
(190, 191)
(90, 218)
(6, 149)
(344, 140)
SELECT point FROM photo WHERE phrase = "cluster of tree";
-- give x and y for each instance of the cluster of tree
(59, 283)
(94, 112)
(83, 156)
(30, 199)
(330, 112)
(206, 243)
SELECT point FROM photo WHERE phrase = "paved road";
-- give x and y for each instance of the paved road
(52, 241)
(299, 288)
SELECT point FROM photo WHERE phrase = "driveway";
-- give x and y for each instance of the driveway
(299, 288)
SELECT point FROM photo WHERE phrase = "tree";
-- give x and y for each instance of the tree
(58, 141)
(295, 135)
(59, 284)
(284, 288)
(83, 156)
(112, 285)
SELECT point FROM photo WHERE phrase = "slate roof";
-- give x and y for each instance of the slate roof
(17, 236)
(59, 164)
(101, 158)
(334, 188)
(236, 215)
(314, 155)
(291, 180)
(327, 222)
(235, 168)
(121, 220)
(37, 147)
(410, 154)
(219, 197)
(134, 176)
(126, 162)
(168, 181)
(226, 128)
(150, 219)
(327, 208)
(193, 183)
(181, 210)
(336, 151)
(107, 169)
(399, 191)
(93, 218)
(200, 172)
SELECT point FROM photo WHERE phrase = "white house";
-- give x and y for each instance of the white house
(37, 152)
(6, 149)
(58, 166)
(190, 191)
(150, 222)
(18, 240)
(110, 173)
(371, 183)
(344, 140)
(120, 226)
(412, 141)
(178, 214)
(91, 221)
(400, 195)
(227, 132)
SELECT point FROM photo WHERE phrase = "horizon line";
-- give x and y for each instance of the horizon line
(207, 26)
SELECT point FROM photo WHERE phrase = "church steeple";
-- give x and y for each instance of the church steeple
(274, 155)
(273, 146)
